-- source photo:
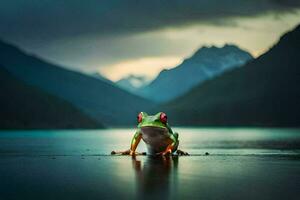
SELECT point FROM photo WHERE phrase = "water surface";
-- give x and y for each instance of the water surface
(242, 164)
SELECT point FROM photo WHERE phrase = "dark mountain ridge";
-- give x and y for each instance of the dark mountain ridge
(25, 107)
(265, 92)
(100, 100)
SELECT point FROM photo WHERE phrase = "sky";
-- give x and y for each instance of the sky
(142, 37)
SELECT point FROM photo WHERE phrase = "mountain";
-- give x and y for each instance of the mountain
(25, 107)
(102, 101)
(102, 78)
(265, 92)
(132, 83)
(205, 64)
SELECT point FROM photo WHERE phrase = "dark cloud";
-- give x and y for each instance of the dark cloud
(288, 3)
(48, 19)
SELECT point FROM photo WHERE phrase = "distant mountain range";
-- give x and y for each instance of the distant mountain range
(102, 78)
(209, 88)
(26, 107)
(132, 82)
(100, 100)
(266, 91)
(205, 64)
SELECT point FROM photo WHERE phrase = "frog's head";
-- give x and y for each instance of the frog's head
(153, 125)
(158, 120)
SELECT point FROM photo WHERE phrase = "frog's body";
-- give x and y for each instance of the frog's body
(158, 139)
(155, 131)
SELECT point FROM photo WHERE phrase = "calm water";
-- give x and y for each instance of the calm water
(243, 164)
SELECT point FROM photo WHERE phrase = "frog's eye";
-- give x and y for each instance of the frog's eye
(139, 117)
(163, 118)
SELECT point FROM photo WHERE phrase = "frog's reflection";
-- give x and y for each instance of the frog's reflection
(154, 176)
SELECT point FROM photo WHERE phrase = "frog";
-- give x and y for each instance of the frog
(157, 134)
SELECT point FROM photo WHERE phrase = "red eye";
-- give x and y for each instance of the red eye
(139, 117)
(163, 118)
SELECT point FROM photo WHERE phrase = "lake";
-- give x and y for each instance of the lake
(243, 163)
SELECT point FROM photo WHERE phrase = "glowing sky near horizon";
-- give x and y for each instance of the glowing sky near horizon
(255, 35)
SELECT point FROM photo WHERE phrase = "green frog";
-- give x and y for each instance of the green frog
(155, 131)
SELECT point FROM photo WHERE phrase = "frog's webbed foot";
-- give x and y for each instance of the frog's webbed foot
(182, 153)
(127, 152)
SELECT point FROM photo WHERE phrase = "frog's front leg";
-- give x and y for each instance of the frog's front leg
(171, 148)
(134, 143)
(174, 147)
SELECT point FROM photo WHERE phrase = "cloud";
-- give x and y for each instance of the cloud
(52, 20)
(118, 36)
(149, 66)
(139, 53)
